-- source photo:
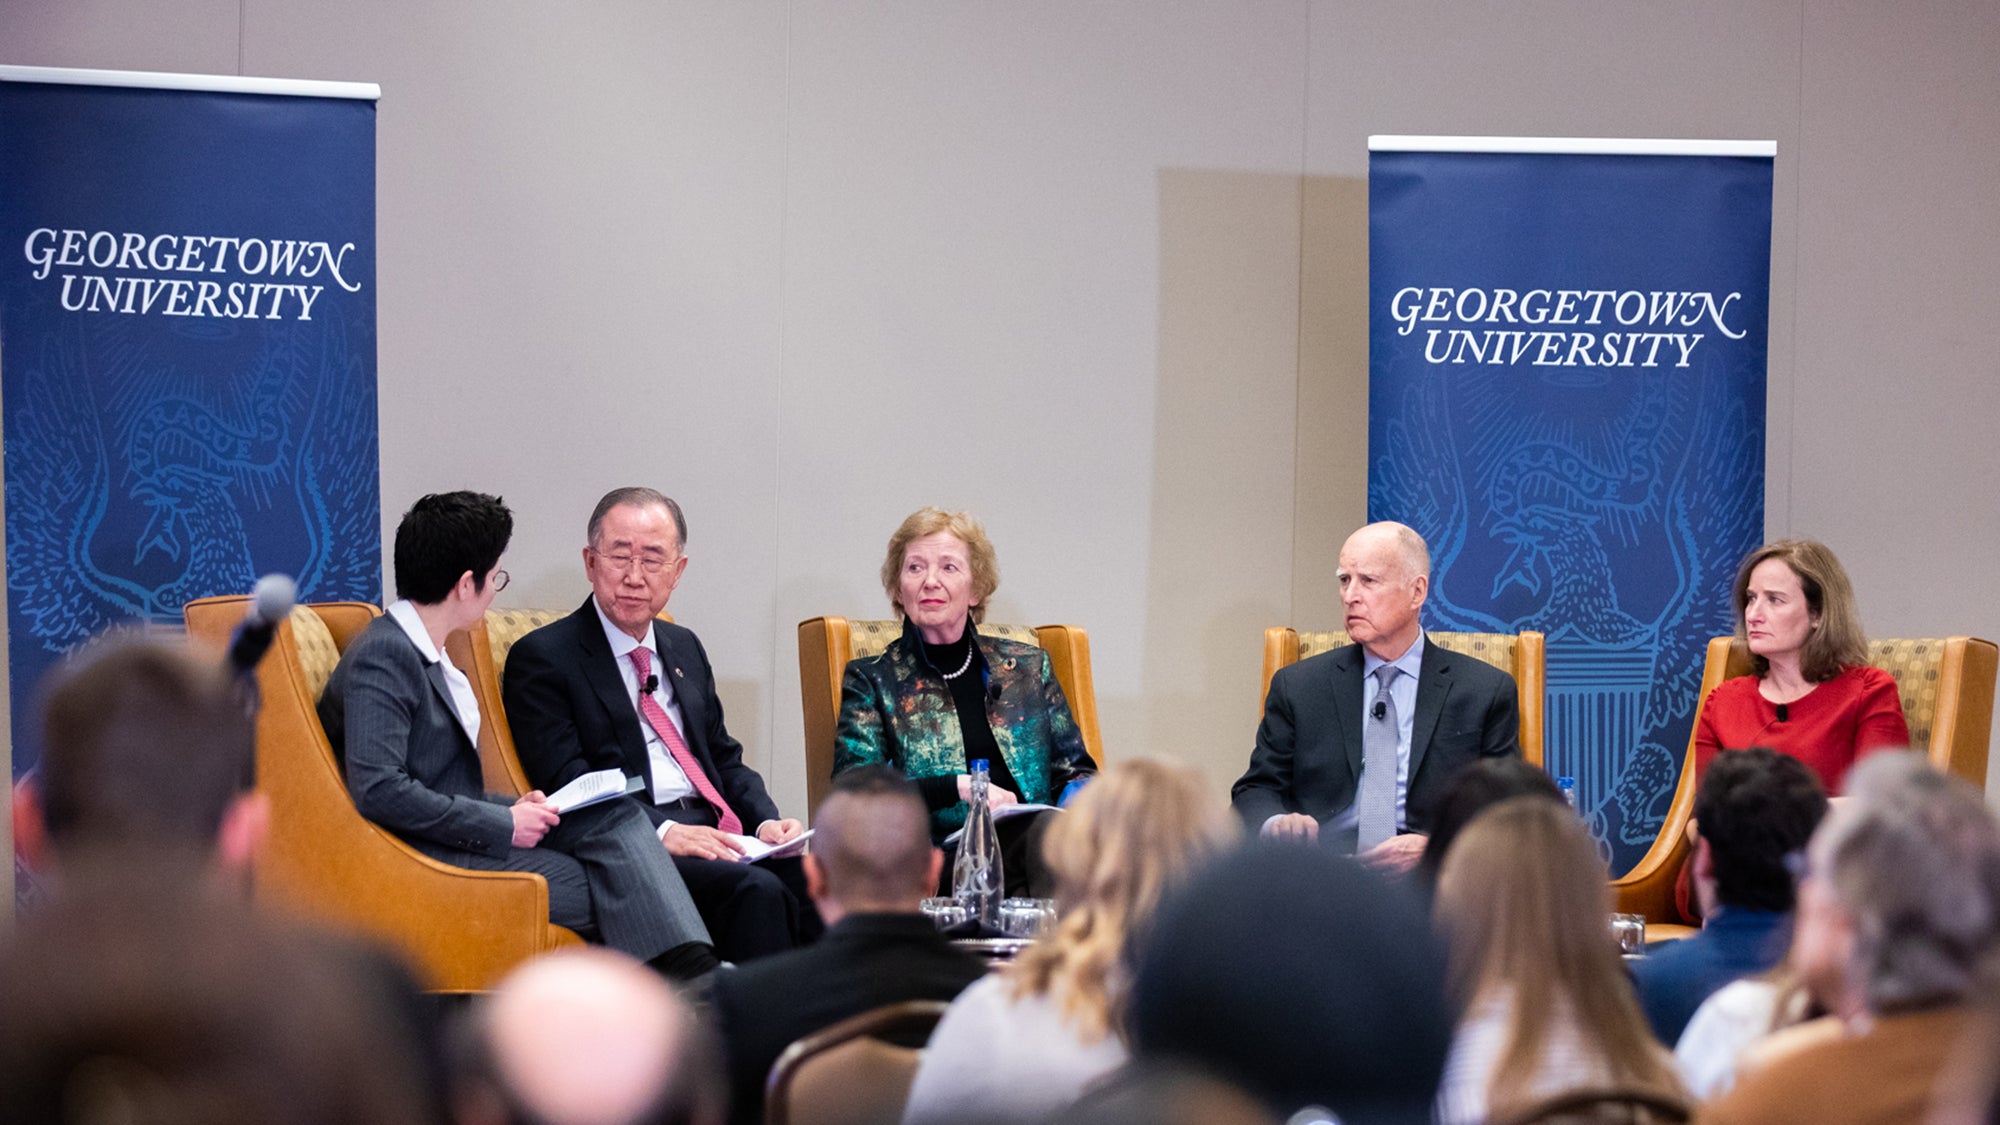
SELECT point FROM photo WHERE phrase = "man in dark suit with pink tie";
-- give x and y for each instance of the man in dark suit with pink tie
(612, 687)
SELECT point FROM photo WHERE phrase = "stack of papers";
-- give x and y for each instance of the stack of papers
(591, 788)
(755, 849)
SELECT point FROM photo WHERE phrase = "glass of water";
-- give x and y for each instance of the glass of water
(1027, 917)
(944, 912)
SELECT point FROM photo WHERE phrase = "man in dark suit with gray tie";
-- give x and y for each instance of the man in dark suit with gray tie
(405, 723)
(1358, 743)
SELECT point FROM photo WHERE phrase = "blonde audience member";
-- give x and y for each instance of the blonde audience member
(1523, 903)
(1026, 1042)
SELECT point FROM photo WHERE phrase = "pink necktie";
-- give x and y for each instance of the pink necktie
(642, 659)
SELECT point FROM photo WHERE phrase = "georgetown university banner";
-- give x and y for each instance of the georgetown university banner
(187, 350)
(1566, 398)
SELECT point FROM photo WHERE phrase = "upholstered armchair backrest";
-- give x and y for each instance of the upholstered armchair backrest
(1521, 655)
(826, 644)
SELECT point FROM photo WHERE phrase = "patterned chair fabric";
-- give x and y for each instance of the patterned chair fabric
(317, 653)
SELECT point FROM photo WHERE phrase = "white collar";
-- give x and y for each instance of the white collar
(405, 613)
(622, 642)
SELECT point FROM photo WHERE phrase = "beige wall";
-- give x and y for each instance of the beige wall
(1095, 271)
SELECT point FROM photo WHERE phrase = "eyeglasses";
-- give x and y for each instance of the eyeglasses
(651, 564)
(499, 580)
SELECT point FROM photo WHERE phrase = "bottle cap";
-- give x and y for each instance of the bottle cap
(977, 764)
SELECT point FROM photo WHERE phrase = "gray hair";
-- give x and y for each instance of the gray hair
(639, 498)
(1914, 857)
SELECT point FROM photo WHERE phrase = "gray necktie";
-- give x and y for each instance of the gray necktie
(1377, 802)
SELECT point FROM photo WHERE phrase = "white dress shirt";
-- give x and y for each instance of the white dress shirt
(670, 782)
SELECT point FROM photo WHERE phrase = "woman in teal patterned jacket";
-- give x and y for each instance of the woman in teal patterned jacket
(941, 694)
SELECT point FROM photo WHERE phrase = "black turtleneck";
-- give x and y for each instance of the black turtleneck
(968, 696)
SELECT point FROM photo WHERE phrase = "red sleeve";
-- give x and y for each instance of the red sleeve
(1879, 723)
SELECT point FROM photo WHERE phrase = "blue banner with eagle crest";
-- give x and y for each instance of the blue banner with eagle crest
(1567, 345)
(187, 351)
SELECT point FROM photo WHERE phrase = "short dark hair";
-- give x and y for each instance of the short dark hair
(638, 497)
(444, 535)
(1755, 808)
(144, 747)
(872, 838)
(1476, 787)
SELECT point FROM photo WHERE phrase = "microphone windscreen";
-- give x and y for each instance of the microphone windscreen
(272, 598)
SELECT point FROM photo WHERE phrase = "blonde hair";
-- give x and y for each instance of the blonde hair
(960, 526)
(1139, 829)
(1836, 640)
(1524, 902)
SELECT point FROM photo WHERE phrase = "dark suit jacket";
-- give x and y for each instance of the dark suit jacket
(570, 713)
(1308, 755)
(410, 768)
(863, 962)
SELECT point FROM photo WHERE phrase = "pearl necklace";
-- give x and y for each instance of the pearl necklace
(968, 662)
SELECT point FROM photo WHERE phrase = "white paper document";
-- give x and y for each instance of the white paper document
(600, 785)
(755, 849)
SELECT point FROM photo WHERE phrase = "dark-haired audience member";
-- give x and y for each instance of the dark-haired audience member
(1302, 978)
(1898, 917)
(146, 987)
(160, 1002)
(870, 867)
(147, 758)
(1164, 1094)
(589, 1037)
(1523, 900)
(1471, 791)
(1756, 809)
(405, 722)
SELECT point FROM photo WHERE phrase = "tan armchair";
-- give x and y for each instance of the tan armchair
(1947, 688)
(460, 929)
(847, 1074)
(826, 644)
(1521, 655)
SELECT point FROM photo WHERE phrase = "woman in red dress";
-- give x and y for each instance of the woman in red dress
(1811, 694)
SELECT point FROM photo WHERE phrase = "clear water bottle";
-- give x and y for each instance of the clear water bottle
(976, 879)
(1568, 787)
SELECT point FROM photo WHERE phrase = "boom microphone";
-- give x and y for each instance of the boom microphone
(270, 602)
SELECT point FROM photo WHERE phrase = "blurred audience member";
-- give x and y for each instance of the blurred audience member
(191, 1007)
(148, 758)
(1302, 978)
(1027, 1041)
(1898, 915)
(1524, 901)
(1165, 1095)
(1471, 791)
(146, 988)
(1740, 1023)
(590, 1037)
(1755, 811)
(870, 867)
